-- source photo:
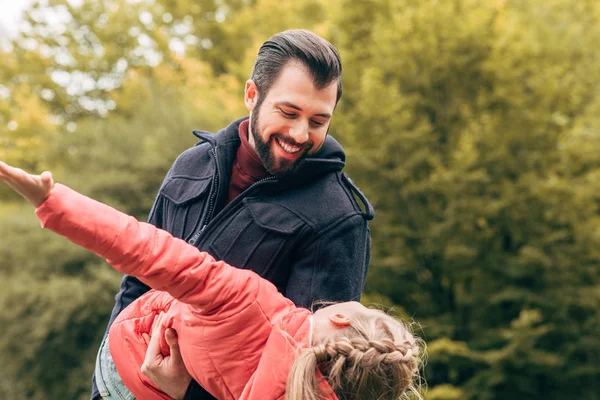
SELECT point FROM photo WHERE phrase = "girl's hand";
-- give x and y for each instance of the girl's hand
(34, 188)
(168, 373)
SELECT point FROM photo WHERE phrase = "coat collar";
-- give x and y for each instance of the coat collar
(329, 158)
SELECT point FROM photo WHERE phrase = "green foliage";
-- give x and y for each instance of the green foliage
(445, 392)
(471, 111)
(472, 126)
(51, 328)
(55, 305)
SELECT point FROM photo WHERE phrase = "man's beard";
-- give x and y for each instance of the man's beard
(264, 149)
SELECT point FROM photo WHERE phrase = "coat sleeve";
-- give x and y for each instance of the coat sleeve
(151, 254)
(333, 267)
(131, 287)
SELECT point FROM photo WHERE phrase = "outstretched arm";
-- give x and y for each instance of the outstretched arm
(172, 376)
(140, 249)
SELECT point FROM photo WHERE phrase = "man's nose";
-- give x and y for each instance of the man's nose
(299, 131)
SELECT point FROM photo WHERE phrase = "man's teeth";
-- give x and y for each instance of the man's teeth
(288, 147)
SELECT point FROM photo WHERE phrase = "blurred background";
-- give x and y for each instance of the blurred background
(472, 126)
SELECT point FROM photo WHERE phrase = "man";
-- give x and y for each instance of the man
(267, 193)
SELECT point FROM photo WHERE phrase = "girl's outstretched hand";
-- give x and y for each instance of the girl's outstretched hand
(34, 188)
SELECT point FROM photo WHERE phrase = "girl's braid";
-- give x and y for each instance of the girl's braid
(365, 353)
(354, 359)
(377, 357)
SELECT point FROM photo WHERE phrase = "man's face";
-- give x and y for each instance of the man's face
(291, 121)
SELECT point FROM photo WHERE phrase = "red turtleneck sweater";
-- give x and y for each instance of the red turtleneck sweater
(247, 167)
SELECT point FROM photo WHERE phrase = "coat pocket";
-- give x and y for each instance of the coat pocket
(185, 205)
(273, 217)
(181, 190)
(260, 237)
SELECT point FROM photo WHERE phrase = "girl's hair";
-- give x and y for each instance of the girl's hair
(376, 357)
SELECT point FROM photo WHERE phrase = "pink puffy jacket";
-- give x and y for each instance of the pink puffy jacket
(237, 334)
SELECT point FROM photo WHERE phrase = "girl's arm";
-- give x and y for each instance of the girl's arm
(153, 255)
(142, 250)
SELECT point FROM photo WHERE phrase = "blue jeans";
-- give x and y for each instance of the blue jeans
(108, 381)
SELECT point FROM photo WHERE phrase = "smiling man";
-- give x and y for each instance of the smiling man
(290, 122)
(267, 193)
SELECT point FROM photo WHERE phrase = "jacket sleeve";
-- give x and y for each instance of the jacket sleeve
(153, 255)
(333, 267)
(131, 288)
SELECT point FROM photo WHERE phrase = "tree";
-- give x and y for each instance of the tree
(472, 126)
(465, 108)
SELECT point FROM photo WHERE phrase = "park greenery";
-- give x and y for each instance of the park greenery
(473, 127)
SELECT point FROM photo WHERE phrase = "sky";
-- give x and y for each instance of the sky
(10, 12)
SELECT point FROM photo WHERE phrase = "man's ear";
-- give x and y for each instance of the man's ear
(339, 320)
(250, 95)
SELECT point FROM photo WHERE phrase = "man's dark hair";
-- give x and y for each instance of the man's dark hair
(320, 58)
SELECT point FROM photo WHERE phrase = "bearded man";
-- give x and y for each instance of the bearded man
(267, 193)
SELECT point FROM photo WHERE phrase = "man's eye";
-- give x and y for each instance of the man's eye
(289, 115)
(317, 123)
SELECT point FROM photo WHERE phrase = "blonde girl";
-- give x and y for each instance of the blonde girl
(238, 336)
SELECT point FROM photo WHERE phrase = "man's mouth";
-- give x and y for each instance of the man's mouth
(288, 148)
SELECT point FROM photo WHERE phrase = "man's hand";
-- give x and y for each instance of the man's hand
(168, 373)
(34, 188)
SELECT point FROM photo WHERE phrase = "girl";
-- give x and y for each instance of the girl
(239, 337)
